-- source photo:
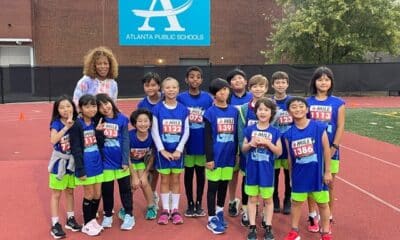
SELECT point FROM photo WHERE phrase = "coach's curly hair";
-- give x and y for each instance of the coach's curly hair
(89, 62)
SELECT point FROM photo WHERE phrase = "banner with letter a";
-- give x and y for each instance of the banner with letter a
(164, 22)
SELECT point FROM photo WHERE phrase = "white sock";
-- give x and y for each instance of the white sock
(219, 209)
(165, 200)
(54, 220)
(175, 200)
(70, 214)
(330, 217)
(312, 214)
(210, 217)
(155, 194)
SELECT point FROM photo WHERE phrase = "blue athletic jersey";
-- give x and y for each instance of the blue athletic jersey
(306, 152)
(63, 146)
(282, 121)
(197, 105)
(145, 103)
(326, 111)
(237, 101)
(171, 126)
(223, 124)
(92, 160)
(260, 161)
(250, 119)
(114, 141)
(138, 148)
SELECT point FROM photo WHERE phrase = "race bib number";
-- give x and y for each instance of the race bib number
(138, 153)
(195, 115)
(89, 138)
(225, 125)
(65, 144)
(262, 134)
(285, 118)
(172, 126)
(321, 113)
(303, 147)
(251, 122)
(110, 130)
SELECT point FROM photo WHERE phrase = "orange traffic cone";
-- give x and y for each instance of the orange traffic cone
(21, 116)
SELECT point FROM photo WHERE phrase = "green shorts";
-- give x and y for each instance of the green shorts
(281, 163)
(138, 166)
(195, 160)
(255, 190)
(319, 197)
(218, 174)
(168, 171)
(111, 175)
(67, 181)
(335, 166)
(90, 180)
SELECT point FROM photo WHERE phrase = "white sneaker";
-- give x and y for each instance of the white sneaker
(90, 229)
(97, 225)
(107, 222)
(128, 223)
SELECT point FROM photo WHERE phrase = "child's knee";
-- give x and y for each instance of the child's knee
(323, 206)
(253, 200)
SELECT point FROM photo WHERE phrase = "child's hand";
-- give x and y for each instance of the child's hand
(100, 125)
(135, 183)
(83, 178)
(327, 178)
(143, 178)
(210, 165)
(176, 155)
(125, 167)
(69, 121)
(167, 155)
(253, 142)
(333, 151)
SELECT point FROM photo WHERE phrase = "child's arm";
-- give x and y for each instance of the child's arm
(157, 140)
(134, 178)
(339, 129)
(77, 145)
(289, 159)
(210, 164)
(274, 148)
(185, 136)
(327, 158)
(125, 147)
(246, 146)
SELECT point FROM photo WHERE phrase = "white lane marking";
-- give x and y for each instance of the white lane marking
(370, 194)
(370, 156)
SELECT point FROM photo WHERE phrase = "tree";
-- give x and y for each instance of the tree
(334, 31)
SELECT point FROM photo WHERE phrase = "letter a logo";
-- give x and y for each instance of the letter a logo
(168, 11)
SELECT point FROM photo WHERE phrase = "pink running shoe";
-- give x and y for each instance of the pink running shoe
(163, 219)
(293, 235)
(326, 236)
(90, 229)
(176, 217)
(314, 224)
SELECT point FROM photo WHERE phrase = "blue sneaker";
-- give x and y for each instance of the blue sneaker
(221, 219)
(121, 214)
(107, 222)
(214, 225)
(128, 223)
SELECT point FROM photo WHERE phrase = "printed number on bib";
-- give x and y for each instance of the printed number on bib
(172, 126)
(303, 147)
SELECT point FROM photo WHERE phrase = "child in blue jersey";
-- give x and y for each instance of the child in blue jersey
(142, 157)
(258, 86)
(170, 131)
(283, 121)
(261, 143)
(197, 103)
(221, 147)
(61, 166)
(309, 165)
(238, 96)
(114, 126)
(325, 107)
(88, 162)
(151, 86)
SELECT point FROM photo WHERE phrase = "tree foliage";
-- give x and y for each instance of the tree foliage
(334, 31)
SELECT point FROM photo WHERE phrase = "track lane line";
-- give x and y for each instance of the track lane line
(370, 156)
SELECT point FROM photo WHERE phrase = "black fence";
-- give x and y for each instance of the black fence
(26, 84)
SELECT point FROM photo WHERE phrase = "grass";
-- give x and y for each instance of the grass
(380, 123)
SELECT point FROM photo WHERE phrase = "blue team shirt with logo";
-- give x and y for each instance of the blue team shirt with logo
(138, 147)
(63, 146)
(197, 105)
(282, 121)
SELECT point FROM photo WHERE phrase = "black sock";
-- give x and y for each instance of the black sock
(200, 180)
(189, 172)
(95, 207)
(288, 189)
(245, 197)
(87, 210)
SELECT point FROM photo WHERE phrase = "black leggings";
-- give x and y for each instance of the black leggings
(245, 197)
(288, 189)
(216, 189)
(200, 180)
(125, 192)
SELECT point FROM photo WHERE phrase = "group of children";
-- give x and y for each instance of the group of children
(214, 135)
